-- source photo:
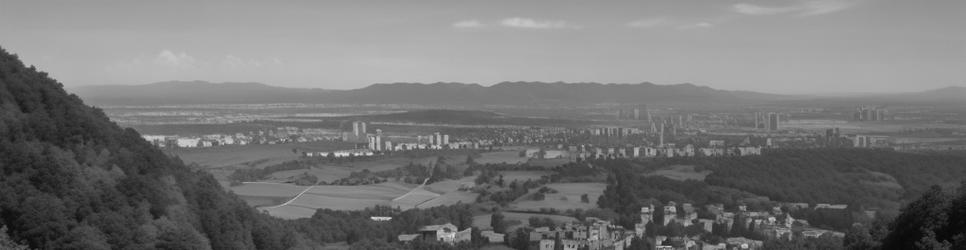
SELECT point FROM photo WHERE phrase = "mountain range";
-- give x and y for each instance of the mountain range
(504, 93)
(463, 94)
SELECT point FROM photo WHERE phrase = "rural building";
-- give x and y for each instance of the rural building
(493, 237)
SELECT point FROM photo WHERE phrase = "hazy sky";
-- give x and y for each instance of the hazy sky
(781, 46)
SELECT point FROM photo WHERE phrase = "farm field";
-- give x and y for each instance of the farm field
(251, 155)
(450, 185)
(450, 198)
(567, 197)
(338, 198)
(413, 199)
(449, 193)
(437, 194)
(290, 212)
(267, 189)
(681, 173)
(259, 194)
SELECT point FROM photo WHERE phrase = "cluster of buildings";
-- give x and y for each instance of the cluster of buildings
(264, 136)
(379, 142)
(592, 234)
(634, 113)
(447, 233)
(770, 121)
(775, 224)
(669, 150)
(436, 141)
(870, 113)
(871, 141)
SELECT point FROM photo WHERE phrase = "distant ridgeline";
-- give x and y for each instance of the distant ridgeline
(436, 94)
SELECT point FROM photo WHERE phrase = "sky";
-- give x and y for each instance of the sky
(775, 46)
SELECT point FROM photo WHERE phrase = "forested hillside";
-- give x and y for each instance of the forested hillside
(71, 179)
(934, 221)
(871, 178)
(876, 178)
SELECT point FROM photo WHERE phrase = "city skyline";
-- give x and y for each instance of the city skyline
(786, 47)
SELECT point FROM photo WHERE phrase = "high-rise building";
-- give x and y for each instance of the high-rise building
(757, 120)
(832, 137)
(445, 139)
(375, 141)
(662, 135)
(773, 121)
(870, 113)
(437, 139)
(359, 129)
(372, 143)
(638, 112)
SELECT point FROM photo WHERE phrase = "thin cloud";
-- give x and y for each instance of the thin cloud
(756, 10)
(697, 25)
(799, 8)
(181, 62)
(703, 25)
(528, 23)
(466, 24)
(826, 7)
(662, 22)
(175, 60)
(650, 23)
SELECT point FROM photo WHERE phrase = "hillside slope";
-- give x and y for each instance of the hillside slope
(71, 179)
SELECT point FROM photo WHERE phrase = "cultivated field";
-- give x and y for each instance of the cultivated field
(339, 198)
(267, 189)
(413, 198)
(279, 199)
(449, 193)
(567, 197)
(266, 194)
(404, 196)
(252, 155)
(450, 198)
